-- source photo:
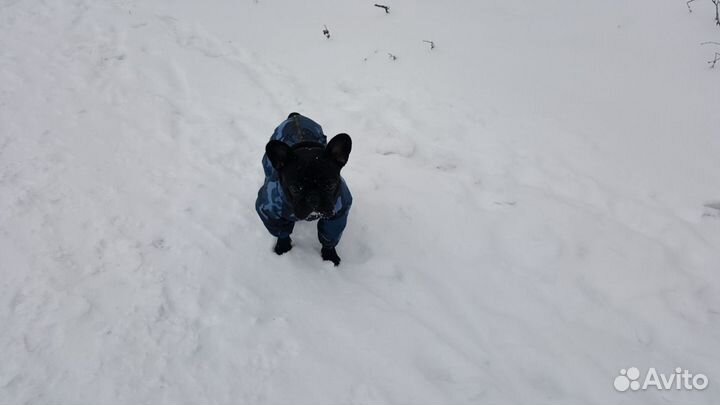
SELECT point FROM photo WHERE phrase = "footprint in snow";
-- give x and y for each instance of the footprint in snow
(712, 210)
(396, 146)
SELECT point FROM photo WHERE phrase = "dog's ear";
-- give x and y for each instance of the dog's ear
(278, 153)
(338, 149)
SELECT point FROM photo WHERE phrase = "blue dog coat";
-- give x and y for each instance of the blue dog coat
(274, 208)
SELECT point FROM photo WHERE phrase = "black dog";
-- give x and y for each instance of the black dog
(303, 182)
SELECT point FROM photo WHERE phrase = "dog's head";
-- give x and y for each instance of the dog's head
(310, 173)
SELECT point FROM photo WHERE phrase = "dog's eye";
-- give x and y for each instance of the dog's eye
(295, 189)
(329, 186)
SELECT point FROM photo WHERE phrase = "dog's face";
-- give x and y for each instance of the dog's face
(310, 174)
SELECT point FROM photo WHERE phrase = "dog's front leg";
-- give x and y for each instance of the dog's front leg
(272, 217)
(330, 229)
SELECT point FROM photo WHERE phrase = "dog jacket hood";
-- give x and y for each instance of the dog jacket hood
(292, 131)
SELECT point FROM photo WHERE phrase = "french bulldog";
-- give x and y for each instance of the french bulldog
(303, 182)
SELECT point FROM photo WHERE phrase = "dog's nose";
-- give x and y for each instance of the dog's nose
(313, 201)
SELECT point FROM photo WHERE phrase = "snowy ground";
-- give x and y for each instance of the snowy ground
(536, 202)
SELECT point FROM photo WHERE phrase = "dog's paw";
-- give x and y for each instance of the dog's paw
(331, 255)
(283, 245)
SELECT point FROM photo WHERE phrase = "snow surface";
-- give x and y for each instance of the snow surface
(536, 202)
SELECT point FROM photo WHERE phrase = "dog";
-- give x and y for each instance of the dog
(303, 182)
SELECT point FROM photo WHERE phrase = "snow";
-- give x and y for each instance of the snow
(535, 202)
